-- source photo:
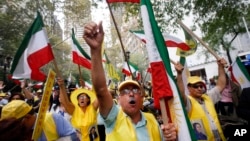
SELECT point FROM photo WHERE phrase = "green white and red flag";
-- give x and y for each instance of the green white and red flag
(33, 53)
(170, 41)
(115, 1)
(88, 84)
(164, 86)
(79, 56)
(191, 42)
(125, 68)
(239, 73)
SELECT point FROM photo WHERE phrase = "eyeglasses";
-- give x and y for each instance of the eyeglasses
(197, 86)
(82, 97)
(128, 91)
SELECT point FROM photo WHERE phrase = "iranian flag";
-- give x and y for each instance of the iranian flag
(88, 84)
(170, 41)
(149, 69)
(239, 74)
(34, 52)
(164, 86)
(114, 1)
(191, 42)
(125, 68)
(79, 56)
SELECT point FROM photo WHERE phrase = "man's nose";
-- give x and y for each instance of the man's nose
(131, 93)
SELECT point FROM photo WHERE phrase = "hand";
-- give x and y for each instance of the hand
(1, 85)
(169, 132)
(23, 83)
(222, 62)
(178, 67)
(60, 81)
(93, 35)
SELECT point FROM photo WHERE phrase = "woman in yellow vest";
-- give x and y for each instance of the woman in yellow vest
(83, 107)
(200, 105)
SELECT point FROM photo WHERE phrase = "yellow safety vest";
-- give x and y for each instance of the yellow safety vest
(84, 121)
(124, 130)
(49, 128)
(197, 113)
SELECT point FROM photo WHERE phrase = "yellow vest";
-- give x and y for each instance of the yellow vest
(49, 128)
(83, 121)
(124, 130)
(197, 113)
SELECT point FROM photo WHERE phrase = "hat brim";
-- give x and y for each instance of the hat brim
(128, 82)
(2, 94)
(195, 82)
(75, 93)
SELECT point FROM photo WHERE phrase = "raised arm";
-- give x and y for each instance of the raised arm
(93, 35)
(221, 82)
(64, 99)
(179, 68)
(28, 95)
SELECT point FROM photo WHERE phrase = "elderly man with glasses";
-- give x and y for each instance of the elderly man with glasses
(125, 122)
(200, 104)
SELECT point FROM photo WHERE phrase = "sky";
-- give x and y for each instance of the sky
(102, 14)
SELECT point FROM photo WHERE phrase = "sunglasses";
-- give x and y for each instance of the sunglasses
(197, 86)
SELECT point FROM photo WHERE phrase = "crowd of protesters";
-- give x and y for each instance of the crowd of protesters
(126, 113)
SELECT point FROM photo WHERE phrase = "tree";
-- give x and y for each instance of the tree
(77, 13)
(16, 17)
(219, 21)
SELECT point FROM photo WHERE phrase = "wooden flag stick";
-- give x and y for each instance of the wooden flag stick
(57, 70)
(200, 40)
(119, 36)
(164, 111)
(81, 79)
(59, 75)
(173, 62)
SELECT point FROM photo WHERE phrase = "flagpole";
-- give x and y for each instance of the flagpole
(57, 70)
(201, 41)
(172, 61)
(60, 42)
(80, 73)
(244, 21)
(119, 36)
(145, 77)
(164, 114)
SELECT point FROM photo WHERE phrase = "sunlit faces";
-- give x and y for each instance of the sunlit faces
(83, 100)
(130, 99)
(196, 90)
(196, 86)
